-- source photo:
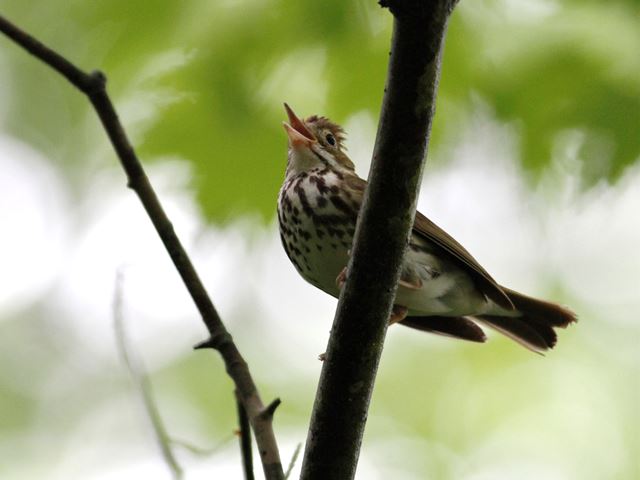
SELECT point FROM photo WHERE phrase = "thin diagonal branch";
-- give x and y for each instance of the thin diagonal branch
(94, 86)
(140, 379)
(359, 328)
(292, 463)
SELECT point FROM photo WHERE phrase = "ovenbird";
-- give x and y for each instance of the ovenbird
(442, 288)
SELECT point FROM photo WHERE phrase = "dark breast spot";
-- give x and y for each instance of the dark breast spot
(295, 263)
(304, 201)
(284, 244)
(335, 232)
(321, 185)
(341, 205)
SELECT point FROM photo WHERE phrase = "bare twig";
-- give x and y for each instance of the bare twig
(294, 459)
(201, 451)
(359, 328)
(245, 441)
(94, 86)
(138, 373)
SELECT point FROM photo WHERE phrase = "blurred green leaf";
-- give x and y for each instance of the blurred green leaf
(573, 69)
(205, 82)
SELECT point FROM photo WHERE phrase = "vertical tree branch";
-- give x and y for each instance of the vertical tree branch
(94, 86)
(245, 440)
(359, 328)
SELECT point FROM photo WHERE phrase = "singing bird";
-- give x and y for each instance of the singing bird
(442, 288)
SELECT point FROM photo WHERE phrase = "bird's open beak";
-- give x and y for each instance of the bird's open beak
(298, 133)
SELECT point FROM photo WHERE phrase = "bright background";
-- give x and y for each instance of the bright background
(533, 167)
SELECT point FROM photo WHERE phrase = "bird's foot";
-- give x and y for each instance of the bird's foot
(398, 313)
(341, 278)
(414, 283)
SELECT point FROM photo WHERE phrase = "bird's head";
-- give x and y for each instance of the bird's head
(315, 142)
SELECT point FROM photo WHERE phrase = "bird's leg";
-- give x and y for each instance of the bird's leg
(411, 284)
(398, 314)
(341, 278)
(410, 278)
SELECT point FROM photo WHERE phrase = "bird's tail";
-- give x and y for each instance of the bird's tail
(534, 329)
(463, 328)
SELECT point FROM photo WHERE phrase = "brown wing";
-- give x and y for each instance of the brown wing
(430, 231)
(487, 285)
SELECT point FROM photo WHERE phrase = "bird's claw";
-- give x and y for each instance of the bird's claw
(398, 313)
(341, 278)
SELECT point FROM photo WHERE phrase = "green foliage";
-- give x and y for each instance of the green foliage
(211, 77)
(573, 71)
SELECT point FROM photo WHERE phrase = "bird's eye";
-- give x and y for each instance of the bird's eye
(331, 140)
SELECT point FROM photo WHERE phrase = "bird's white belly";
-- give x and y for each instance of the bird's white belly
(438, 286)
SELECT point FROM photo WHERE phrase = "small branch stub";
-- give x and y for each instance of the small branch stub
(98, 82)
(270, 409)
(214, 342)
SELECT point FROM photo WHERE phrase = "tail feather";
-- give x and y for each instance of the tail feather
(457, 327)
(541, 311)
(531, 335)
(534, 329)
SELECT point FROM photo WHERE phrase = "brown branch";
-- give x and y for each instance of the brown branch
(94, 86)
(245, 441)
(359, 328)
